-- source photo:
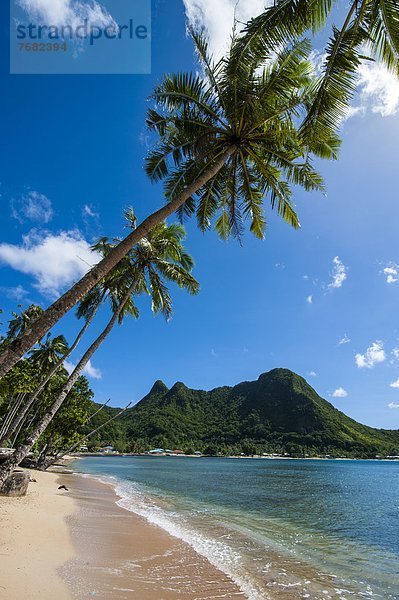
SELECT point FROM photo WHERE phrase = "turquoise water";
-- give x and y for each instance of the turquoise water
(281, 528)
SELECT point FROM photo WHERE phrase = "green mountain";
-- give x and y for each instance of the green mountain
(280, 412)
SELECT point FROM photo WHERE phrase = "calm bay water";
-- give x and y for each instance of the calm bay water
(281, 528)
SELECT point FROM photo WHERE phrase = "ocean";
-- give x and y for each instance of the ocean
(316, 529)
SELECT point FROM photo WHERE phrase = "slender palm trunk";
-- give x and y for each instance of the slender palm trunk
(97, 411)
(42, 460)
(12, 411)
(20, 453)
(20, 416)
(14, 351)
(44, 463)
(50, 462)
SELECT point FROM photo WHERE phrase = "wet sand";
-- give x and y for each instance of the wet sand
(120, 556)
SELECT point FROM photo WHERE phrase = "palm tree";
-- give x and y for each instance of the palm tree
(48, 353)
(49, 357)
(226, 142)
(158, 257)
(369, 26)
(21, 323)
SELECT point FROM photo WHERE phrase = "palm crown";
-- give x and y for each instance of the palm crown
(370, 30)
(252, 116)
(158, 257)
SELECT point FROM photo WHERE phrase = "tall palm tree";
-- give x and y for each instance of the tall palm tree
(226, 142)
(49, 356)
(158, 257)
(370, 30)
(48, 353)
(21, 323)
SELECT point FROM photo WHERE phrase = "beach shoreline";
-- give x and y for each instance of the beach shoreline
(121, 556)
(79, 544)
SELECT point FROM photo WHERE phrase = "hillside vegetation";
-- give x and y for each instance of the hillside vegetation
(279, 412)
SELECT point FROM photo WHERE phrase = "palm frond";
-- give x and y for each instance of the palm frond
(383, 20)
(335, 88)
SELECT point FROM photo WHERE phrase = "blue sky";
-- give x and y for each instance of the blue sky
(72, 160)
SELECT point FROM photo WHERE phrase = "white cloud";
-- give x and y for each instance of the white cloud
(392, 273)
(312, 374)
(17, 293)
(217, 18)
(395, 384)
(89, 369)
(374, 354)
(53, 260)
(393, 405)
(67, 12)
(344, 340)
(33, 207)
(92, 371)
(395, 353)
(339, 393)
(339, 273)
(88, 211)
(379, 90)
(309, 299)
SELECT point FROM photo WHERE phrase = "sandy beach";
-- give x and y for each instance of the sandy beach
(79, 545)
(121, 556)
(35, 541)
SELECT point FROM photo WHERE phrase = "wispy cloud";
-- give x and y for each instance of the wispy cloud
(392, 273)
(67, 12)
(92, 371)
(395, 354)
(393, 405)
(312, 374)
(339, 274)
(89, 369)
(395, 384)
(18, 293)
(339, 393)
(217, 18)
(374, 354)
(88, 211)
(53, 260)
(309, 299)
(344, 340)
(32, 206)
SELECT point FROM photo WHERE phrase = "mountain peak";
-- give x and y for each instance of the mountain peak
(278, 372)
(159, 387)
(179, 386)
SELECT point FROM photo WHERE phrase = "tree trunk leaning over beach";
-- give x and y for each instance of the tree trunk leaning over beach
(19, 417)
(161, 255)
(20, 453)
(49, 462)
(14, 351)
(227, 140)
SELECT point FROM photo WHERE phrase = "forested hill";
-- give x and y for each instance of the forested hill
(279, 412)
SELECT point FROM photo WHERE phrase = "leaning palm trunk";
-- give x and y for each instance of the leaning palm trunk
(13, 410)
(18, 419)
(20, 453)
(49, 463)
(14, 351)
(42, 460)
